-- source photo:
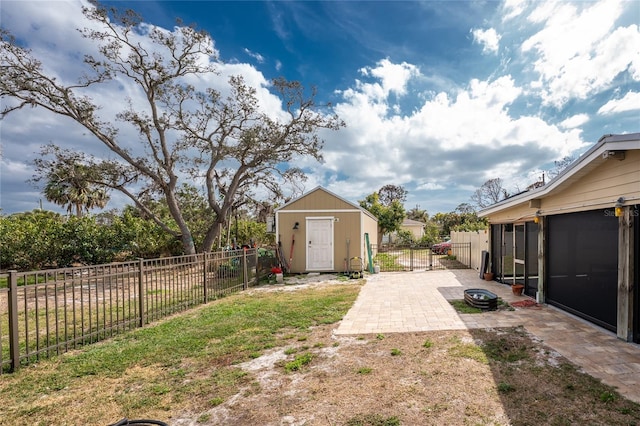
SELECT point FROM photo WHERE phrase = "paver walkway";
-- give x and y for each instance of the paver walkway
(418, 301)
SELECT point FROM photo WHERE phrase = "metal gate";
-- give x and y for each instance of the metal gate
(393, 258)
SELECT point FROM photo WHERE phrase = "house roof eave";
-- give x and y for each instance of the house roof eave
(587, 162)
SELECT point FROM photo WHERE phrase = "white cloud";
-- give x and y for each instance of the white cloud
(394, 77)
(449, 143)
(579, 52)
(430, 186)
(630, 102)
(489, 39)
(16, 169)
(253, 78)
(513, 9)
(258, 57)
(574, 121)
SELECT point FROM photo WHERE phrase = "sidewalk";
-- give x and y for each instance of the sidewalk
(397, 302)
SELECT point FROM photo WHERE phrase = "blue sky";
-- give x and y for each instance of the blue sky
(437, 96)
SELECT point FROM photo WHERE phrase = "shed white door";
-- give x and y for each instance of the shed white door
(320, 244)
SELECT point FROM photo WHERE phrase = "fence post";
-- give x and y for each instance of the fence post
(257, 259)
(411, 258)
(245, 280)
(469, 254)
(205, 275)
(14, 343)
(430, 251)
(140, 292)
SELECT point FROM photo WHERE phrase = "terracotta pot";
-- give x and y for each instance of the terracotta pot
(488, 276)
(517, 289)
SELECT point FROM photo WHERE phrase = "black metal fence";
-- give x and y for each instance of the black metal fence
(49, 312)
(410, 258)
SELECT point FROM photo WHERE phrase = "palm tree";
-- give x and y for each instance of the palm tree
(70, 185)
(417, 214)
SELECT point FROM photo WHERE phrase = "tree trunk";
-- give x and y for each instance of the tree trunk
(187, 243)
(212, 233)
(176, 213)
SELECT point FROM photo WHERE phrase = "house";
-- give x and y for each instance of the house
(574, 242)
(322, 232)
(415, 227)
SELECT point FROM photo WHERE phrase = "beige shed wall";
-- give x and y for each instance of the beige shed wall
(369, 226)
(318, 200)
(416, 230)
(346, 225)
(349, 223)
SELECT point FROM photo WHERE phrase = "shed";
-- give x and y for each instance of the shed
(575, 242)
(321, 232)
(415, 227)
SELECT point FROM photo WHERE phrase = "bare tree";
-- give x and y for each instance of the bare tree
(390, 193)
(464, 208)
(228, 143)
(489, 193)
(560, 165)
(537, 184)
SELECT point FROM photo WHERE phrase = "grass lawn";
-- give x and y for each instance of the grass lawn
(265, 356)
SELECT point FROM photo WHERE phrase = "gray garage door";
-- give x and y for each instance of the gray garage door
(582, 271)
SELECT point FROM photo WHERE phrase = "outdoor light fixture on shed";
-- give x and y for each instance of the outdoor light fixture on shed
(296, 226)
(618, 206)
(536, 218)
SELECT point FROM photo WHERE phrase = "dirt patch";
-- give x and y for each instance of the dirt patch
(493, 376)
(306, 281)
(497, 377)
(349, 377)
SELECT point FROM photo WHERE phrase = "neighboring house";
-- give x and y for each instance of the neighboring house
(325, 230)
(416, 228)
(574, 243)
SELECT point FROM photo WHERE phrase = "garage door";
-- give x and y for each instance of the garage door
(582, 271)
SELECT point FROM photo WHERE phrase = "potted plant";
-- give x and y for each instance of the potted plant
(517, 289)
(277, 272)
(488, 276)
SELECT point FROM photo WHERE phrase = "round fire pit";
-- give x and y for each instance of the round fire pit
(481, 298)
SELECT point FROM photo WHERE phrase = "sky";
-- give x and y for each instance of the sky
(437, 96)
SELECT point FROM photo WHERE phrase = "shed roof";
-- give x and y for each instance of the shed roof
(320, 188)
(411, 222)
(595, 156)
